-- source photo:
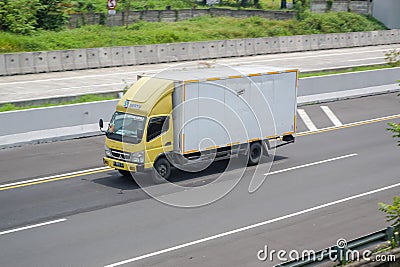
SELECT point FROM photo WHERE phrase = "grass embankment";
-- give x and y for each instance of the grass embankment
(196, 29)
(347, 70)
(81, 99)
(94, 98)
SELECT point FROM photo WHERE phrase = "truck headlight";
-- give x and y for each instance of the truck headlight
(137, 157)
(108, 151)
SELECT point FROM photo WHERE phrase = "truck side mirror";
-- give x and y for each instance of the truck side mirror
(101, 124)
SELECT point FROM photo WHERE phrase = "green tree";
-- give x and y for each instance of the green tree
(18, 16)
(395, 128)
(50, 15)
(392, 212)
(25, 16)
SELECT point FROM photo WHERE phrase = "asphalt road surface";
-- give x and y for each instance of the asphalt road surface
(324, 187)
(70, 83)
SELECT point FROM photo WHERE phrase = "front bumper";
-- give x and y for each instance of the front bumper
(123, 165)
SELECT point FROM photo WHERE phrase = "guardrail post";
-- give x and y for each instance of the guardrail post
(396, 239)
(389, 236)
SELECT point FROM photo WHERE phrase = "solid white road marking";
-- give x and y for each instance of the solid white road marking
(311, 164)
(88, 86)
(54, 176)
(252, 226)
(31, 226)
(306, 119)
(341, 67)
(331, 116)
(77, 77)
(361, 59)
(313, 56)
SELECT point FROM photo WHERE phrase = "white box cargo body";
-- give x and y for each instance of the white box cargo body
(224, 106)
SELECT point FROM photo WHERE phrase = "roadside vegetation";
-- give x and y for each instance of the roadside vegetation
(40, 25)
(393, 57)
(393, 216)
(395, 129)
(142, 33)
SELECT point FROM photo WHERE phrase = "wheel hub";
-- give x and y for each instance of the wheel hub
(162, 170)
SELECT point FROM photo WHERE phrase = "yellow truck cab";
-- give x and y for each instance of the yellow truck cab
(140, 129)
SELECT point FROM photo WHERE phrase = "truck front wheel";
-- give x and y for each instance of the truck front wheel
(162, 170)
(255, 153)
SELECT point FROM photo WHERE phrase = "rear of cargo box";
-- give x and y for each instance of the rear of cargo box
(220, 112)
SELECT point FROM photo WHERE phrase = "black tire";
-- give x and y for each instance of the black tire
(161, 170)
(255, 153)
(125, 173)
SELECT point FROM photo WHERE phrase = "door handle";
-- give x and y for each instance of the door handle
(167, 144)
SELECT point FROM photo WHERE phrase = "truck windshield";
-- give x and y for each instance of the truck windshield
(126, 127)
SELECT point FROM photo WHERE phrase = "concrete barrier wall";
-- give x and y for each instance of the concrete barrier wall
(360, 7)
(36, 62)
(23, 121)
(347, 81)
(70, 121)
(319, 6)
(125, 18)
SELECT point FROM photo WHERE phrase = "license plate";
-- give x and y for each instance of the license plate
(118, 164)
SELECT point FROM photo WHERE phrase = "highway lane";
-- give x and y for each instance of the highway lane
(47, 85)
(140, 225)
(109, 188)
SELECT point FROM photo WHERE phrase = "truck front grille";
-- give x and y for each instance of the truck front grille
(120, 154)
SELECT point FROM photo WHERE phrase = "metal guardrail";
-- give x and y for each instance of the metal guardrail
(338, 253)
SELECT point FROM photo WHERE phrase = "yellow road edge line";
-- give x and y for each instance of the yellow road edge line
(54, 179)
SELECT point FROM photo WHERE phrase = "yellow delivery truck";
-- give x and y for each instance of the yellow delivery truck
(181, 117)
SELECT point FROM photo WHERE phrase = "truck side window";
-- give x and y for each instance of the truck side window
(157, 126)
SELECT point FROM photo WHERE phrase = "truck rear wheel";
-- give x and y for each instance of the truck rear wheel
(255, 153)
(161, 171)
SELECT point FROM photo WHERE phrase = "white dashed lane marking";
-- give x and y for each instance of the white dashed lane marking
(331, 116)
(306, 119)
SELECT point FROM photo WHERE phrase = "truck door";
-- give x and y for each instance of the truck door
(159, 138)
